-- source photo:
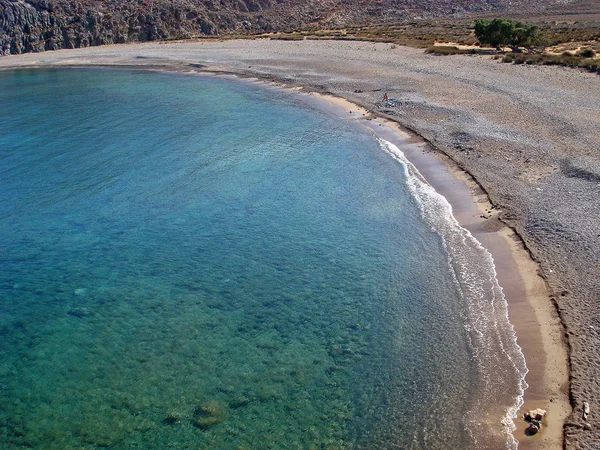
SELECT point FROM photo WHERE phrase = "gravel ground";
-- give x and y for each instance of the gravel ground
(529, 135)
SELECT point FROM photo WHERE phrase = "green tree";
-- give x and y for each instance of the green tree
(509, 32)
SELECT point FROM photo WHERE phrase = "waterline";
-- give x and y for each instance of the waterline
(208, 262)
(491, 335)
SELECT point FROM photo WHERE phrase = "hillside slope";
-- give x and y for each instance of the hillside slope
(38, 25)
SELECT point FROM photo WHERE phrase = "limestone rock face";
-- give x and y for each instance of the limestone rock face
(38, 25)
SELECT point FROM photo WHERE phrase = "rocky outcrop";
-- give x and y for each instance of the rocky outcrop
(38, 25)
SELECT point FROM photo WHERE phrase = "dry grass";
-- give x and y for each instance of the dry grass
(565, 60)
(421, 34)
(448, 50)
(574, 44)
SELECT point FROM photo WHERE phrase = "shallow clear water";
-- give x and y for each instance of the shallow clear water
(191, 262)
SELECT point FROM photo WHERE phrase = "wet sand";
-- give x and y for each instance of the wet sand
(461, 165)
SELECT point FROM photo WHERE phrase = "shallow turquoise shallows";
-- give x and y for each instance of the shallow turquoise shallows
(191, 262)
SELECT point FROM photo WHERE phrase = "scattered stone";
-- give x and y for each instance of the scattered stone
(586, 410)
(587, 426)
(534, 417)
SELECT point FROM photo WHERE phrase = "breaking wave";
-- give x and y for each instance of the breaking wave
(499, 360)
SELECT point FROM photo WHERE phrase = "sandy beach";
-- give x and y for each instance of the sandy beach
(514, 149)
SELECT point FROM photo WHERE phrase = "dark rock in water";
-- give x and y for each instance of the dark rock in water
(239, 402)
(172, 418)
(80, 312)
(533, 428)
(587, 427)
(209, 414)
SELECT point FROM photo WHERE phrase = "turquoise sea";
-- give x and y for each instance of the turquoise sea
(191, 262)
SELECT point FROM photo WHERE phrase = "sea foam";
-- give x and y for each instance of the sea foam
(499, 358)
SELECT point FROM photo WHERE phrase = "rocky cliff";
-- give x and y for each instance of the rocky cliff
(38, 25)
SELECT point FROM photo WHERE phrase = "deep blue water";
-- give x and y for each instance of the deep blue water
(192, 262)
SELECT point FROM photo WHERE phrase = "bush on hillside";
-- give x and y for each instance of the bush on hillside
(587, 53)
(509, 32)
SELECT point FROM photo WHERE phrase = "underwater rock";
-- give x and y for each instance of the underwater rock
(533, 428)
(79, 312)
(172, 418)
(209, 414)
(239, 402)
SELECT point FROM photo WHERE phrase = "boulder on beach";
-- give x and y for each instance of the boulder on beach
(535, 414)
(533, 428)
(586, 410)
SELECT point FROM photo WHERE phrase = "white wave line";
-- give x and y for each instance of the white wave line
(437, 212)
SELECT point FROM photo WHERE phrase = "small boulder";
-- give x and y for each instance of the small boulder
(535, 414)
(587, 427)
(533, 428)
(586, 410)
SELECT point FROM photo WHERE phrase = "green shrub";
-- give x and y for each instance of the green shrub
(586, 53)
(499, 32)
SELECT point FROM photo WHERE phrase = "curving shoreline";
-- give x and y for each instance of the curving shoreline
(441, 100)
(539, 330)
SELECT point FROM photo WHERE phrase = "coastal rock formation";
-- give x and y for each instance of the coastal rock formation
(38, 25)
